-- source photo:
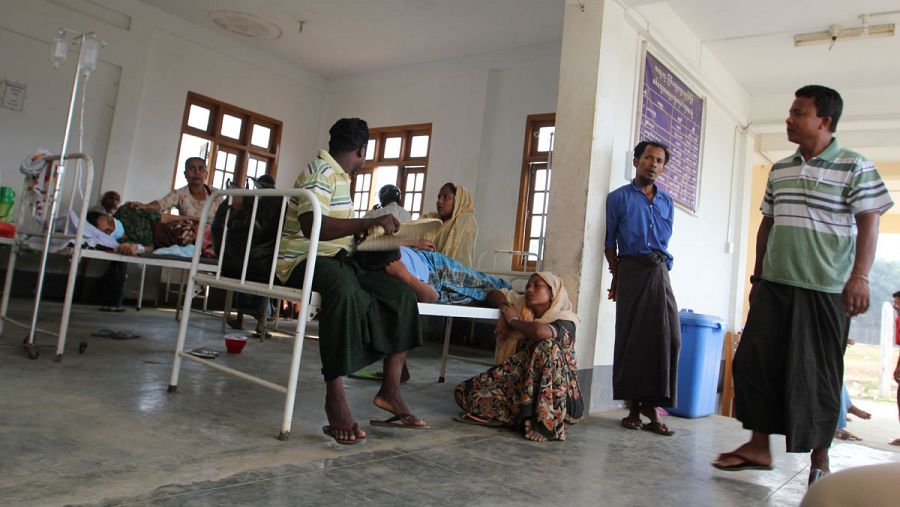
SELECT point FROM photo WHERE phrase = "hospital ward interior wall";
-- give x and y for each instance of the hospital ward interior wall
(136, 98)
(477, 106)
(705, 273)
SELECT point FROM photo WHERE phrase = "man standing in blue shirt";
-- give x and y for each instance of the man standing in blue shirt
(648, 335)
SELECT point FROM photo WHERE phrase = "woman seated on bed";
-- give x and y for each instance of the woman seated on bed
(187, 200)
(456, 236)
(535, 389)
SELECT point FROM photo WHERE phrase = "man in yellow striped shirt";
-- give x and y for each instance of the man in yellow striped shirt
(366, 315)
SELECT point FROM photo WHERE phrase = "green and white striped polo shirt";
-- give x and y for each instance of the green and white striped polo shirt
(328, 181)
(814, 203)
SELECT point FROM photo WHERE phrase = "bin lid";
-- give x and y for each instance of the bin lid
(698, 319)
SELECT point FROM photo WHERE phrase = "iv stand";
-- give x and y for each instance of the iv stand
(57, 183)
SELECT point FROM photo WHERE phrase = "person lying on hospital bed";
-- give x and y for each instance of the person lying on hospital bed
(437, 278)
(434, 275)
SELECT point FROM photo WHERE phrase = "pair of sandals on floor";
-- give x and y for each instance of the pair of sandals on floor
(634, 422)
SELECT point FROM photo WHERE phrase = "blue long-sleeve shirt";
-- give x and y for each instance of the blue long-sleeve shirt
(636, 225)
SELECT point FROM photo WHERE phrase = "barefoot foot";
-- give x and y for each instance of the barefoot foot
(530, 433)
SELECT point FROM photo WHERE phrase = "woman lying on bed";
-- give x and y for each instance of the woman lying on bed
(436, 278)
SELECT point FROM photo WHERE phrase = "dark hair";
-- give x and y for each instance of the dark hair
(389, 194)
(642, 146)
(449, 185)
(897, 294)
(347, 134)
(108, 196)
(828, 102)
(188, 161)
(92, 217)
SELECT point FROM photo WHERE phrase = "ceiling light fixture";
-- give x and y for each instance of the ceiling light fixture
(837, 32)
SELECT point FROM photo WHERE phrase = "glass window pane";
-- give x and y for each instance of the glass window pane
(415, 215)
(420, 182)
(549, 173)
(419, 147)
(231, 126)
(536, 225)
(392, 147)
(219, 179)
(368, 179)
(407, 201)
(410, 182)
(540, 179)
(359, 183)
(537, 207)
(230, 160)
(534, 246)
(220, 161)
(198, 117)
(545, 138)
(370, 150)
(191, 146)
(261, 136)
(417, 202)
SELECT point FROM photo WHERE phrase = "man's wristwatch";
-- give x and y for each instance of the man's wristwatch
(755, 279)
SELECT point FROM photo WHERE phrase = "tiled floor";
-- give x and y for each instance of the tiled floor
(99, 428)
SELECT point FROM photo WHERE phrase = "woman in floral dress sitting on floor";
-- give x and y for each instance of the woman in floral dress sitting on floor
(534, 390)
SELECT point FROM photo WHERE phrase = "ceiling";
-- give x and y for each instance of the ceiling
(343, 37)
(754, 40)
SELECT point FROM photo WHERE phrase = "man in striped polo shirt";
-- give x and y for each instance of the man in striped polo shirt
(366, 315)
(814, 249)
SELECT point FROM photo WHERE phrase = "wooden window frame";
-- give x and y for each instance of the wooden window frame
(405, 163)
(242, 146)
(530, 155)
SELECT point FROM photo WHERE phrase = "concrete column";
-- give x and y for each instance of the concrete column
(589, 118)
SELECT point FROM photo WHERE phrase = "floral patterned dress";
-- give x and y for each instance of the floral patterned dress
(538, 382)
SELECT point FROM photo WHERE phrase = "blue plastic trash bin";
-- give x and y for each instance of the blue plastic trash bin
(698, 365)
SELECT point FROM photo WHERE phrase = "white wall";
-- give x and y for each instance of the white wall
(41, 123)
(477, 107)
(704, 274)
(136, 99)
(703, 278)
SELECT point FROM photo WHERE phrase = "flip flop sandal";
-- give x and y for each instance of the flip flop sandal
(204, 353)
(814, 475)
(467, 418)
(397, 422)
(658, 428)
(367, 375)
(632, 424)
(329, 430)
(745, 463)
(124, 335)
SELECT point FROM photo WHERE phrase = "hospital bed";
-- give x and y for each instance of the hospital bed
(24, 212)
